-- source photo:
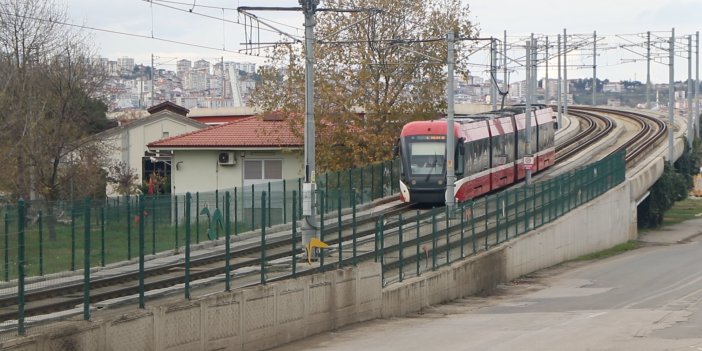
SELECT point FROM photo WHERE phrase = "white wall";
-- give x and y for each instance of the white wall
(129, 145)
(199, 171)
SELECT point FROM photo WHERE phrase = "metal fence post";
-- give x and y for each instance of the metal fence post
(128, 203)
(372, 172)
(353, 222)
(497, 219)
(73, 236)
(433, 238)
(285, 203)
(321, 228)
(463, 227)
(197, 217)
(399, 233)
(153, 224)
(418, 257)
(294, 233)
(20, 267)
(448, 237)
(382, 249)
(352, 189)
(472, 228)
(102, 236)
(6, 247)
(175, 207)
(40, 224)
(86, 262)
(187, 245)
(263, 238)
(326, 192)
(362, 188)
(141, 251)
(236, 209)
(227, 244)
(338, 221)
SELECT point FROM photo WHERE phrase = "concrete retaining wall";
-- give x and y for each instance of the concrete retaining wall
(250, 319)
(265, 316)
(595, 226)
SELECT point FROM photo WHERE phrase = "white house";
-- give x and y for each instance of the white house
(127, 143)
(247, 151)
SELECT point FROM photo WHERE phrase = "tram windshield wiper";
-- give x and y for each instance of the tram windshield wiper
(433, 165)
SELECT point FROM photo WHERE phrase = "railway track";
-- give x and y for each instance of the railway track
(59, 298)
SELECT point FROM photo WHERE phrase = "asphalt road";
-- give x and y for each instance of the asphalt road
(645, 299)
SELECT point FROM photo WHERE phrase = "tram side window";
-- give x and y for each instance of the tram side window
(546, 136)
(498, 150)
(522, 143)
(477, 156)
(509, 147)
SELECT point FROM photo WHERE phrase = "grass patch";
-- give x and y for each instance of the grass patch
(616, 250)
(681, 211)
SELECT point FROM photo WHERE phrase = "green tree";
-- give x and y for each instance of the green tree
(373, 73)
(51, 104)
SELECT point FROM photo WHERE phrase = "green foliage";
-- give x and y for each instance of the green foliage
(373, 73)
(616, 250)
(672, 186)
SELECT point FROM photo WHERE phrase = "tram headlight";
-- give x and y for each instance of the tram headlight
(441, 182)
(414, 182)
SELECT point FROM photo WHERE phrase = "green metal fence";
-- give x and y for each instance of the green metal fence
(40, 239)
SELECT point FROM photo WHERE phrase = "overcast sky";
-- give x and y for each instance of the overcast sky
(609, 18)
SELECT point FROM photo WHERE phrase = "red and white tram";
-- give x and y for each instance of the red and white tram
(489, 152)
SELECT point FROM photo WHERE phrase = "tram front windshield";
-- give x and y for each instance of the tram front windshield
(427, 157)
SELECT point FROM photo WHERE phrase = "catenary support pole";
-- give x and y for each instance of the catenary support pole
(450, 139)
(527, 142)
(690, 125)
(648, 70)
(565, 72)
(594, 68)
(558, 86)
(309, 221)
(671, 96)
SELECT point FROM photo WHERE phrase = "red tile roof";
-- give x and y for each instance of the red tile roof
(243, 133)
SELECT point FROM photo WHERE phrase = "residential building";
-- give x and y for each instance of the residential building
(127, 142)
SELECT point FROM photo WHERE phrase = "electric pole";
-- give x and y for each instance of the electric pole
(309, 223)
(558, 86)
(594, 68)
(450, 138)
(527, 142)
(671, 97)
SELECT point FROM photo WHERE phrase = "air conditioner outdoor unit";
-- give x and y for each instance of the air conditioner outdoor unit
(226, 159)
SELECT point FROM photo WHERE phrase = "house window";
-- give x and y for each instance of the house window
(164, 135)
(261, 171)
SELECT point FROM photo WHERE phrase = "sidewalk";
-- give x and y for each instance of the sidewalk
(673, 234)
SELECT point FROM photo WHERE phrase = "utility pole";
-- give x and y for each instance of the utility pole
(450, 138)
(493, 73)
(527, 142)
(546, 95)
(697, 83)
(504, 68)
(558, 86)
(690, 125)
(152, 79)
(671, 96)
(309, 224)
(565, 72)
(534, 79)
(648, 70)
(594, 68)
